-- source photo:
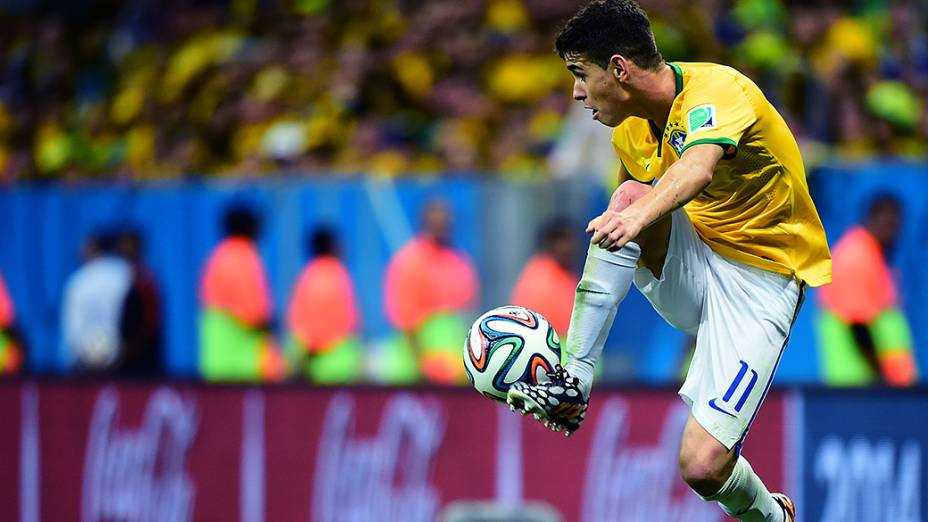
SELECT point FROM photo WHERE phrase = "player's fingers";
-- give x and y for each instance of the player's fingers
(598, 222)
(599, 231)
(601, 220)
(606, 242)
(618, 245)
(614, 233)
(606, 226)
(614, 228)
(620, 242)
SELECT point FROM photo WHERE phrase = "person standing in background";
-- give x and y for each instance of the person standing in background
(548, 281)
(322, 318)
(11, 347)
(141, 318)
(235, 319)
(429, 284)
(94, 298)
(863, 335)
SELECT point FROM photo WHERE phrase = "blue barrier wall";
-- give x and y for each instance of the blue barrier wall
(862, 456)
(43, 228)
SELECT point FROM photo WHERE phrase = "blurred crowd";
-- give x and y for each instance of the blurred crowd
(149, 90)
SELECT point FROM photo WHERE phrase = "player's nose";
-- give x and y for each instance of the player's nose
(579, 91)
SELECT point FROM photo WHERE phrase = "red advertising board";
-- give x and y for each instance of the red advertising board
(96, 452)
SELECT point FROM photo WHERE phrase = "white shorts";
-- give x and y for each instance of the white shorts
(741, 317)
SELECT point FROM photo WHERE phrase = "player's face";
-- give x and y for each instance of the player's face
(600, 90)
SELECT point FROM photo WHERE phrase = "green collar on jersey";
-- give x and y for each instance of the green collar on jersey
(678, 74)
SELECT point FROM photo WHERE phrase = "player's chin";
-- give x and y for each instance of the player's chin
(609, 120)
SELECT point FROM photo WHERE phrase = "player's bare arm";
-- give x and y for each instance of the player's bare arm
(682, 182)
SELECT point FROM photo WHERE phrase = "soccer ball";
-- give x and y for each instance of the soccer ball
(509, 344)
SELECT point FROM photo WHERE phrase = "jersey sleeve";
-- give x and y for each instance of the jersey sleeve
(717, 112)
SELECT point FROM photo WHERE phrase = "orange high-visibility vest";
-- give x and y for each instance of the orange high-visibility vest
(862, 284)
(322, 310)
(547, 288)
(234, 281)
(425, 278)
(11, 356)
(6, 307)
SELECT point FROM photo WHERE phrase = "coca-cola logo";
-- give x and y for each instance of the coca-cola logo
(383, 477)
(639, 483)
(139, 475)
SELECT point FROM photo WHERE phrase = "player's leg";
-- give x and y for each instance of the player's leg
(705, 463)
(607, 277)
(746, 321)
(719, 474)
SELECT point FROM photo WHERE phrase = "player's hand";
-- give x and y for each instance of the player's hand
(611, 230)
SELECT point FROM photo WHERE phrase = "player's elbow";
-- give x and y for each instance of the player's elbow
(699, 163)
(702, 177)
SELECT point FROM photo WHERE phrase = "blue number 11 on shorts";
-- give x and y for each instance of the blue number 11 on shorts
(726, 399)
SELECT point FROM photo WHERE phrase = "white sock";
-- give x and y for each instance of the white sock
(606, 279)
(745, 497)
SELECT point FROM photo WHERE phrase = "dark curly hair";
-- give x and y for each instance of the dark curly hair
(607, 27)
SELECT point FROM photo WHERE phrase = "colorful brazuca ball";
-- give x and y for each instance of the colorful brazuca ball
(509, 344)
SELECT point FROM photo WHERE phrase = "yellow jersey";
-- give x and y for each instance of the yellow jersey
(757, 210)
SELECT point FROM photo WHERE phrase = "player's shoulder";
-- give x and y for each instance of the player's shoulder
(698, 76)
(709, 71)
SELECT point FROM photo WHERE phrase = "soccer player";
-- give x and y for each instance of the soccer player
(714, 224)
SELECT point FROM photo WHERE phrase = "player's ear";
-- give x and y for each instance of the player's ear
(619, 67)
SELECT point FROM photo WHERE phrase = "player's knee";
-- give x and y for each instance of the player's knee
(628, 192)
(704, 470)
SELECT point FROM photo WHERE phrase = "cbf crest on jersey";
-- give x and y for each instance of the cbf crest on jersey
(701, 117)
(677, 139)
